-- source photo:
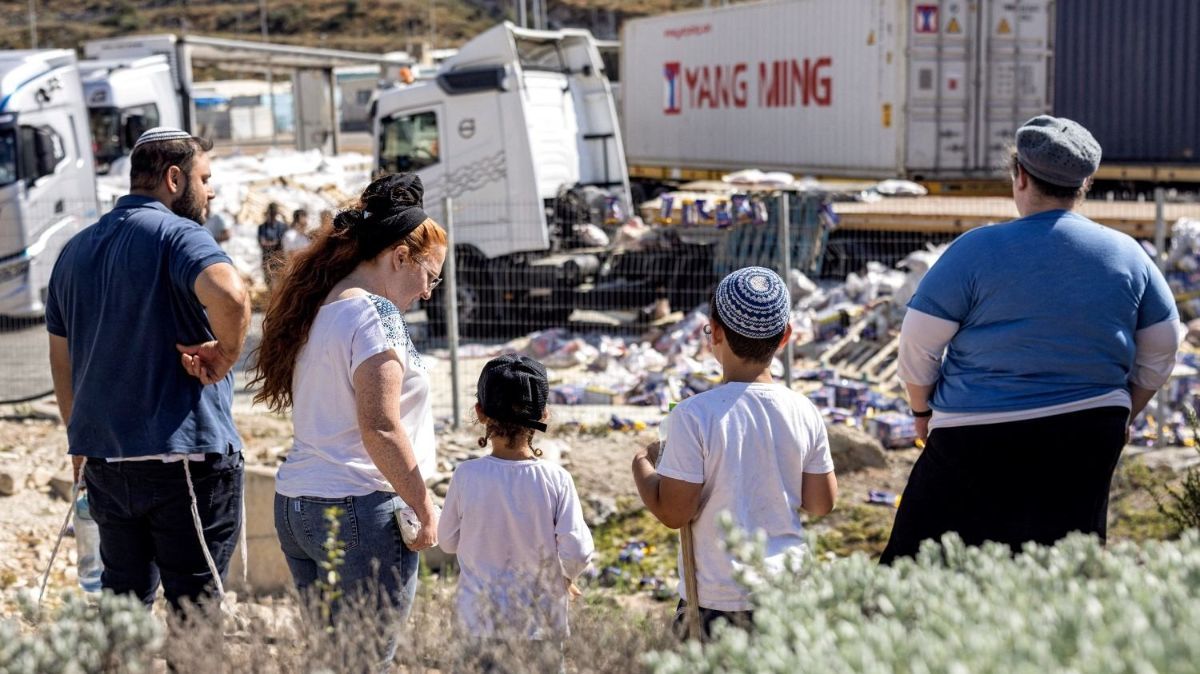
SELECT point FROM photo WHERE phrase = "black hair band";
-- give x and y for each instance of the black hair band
(378, 235)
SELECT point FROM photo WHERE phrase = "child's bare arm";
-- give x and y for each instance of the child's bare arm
(818, 493)
(571, 534)
(674, 502)
(449, 525)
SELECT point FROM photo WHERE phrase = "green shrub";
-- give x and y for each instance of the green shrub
(1183, 510)
(1182, 506)
(113, 634)
(1074, 607)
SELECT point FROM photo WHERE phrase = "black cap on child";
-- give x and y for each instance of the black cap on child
(514, 389)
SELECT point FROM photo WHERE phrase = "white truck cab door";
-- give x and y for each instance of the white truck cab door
(57, 198)
(46, 156)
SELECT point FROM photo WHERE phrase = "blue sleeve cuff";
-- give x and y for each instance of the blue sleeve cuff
(927, 306)
(198, 266)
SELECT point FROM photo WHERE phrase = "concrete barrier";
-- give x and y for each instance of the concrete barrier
(267, 572)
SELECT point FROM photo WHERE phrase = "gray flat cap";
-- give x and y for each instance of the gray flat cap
(1057, 150)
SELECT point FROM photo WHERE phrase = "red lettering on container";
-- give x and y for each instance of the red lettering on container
(739, 85)
(782, 83)
(691, 76)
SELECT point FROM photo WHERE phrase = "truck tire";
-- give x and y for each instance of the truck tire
(470, 293)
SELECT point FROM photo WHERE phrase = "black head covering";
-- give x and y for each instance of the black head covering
(393, 206)
(514, 389)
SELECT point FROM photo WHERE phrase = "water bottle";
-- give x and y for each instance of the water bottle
(87, 546)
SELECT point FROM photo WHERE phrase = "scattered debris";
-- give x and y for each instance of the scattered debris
(634, 552)
(854, 450)
(598, 509)
(61, 485)
(887, 498)
(11, 482)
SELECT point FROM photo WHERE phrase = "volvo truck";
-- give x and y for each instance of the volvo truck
(47, 174)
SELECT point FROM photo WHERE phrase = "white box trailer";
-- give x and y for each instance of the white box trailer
(924, 89)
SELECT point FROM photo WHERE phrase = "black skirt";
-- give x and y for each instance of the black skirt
(1035, 480)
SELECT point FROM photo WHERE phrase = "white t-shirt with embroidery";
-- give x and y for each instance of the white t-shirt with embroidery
(749, 445)
(328, 458)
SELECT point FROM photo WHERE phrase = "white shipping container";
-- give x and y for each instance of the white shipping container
(871, 88)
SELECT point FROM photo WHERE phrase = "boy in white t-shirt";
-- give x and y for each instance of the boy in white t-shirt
(749, 447)
(515, 522)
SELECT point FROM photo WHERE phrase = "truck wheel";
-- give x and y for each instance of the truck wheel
(470, 307)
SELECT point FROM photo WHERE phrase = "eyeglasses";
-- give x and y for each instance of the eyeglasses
(434, 279)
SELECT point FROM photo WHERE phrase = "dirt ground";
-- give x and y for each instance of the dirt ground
(33, 446)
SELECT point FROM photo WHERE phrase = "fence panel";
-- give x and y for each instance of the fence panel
(618, 328)
(32, 232)
(612, 307)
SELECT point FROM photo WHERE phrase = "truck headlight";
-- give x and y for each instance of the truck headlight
(13, 269)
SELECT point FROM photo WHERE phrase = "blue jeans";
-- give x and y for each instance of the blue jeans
(377, 564)
(147, 534)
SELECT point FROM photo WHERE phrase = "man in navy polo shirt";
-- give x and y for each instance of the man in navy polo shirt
(147, 318)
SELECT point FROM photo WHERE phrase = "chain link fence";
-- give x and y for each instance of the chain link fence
(32, 232)
(610, 302)
(582, 267)
(602, 296)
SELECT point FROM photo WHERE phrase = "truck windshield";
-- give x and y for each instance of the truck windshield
(540, 55)
(106, 136)
(408, 142)
(114, 131)
(8, 155)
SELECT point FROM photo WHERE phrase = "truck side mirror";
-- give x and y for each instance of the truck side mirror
(135, 126)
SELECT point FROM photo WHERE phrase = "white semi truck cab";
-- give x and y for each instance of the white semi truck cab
(520, 130)
(47, 175)
(125, 97)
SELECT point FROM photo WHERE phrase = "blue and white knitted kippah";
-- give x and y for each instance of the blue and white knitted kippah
(161, 133)
(754, 302)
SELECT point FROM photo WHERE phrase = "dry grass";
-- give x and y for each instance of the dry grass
(282, 638)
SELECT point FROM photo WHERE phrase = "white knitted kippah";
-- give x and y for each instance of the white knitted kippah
(754, 302)
(161, 133)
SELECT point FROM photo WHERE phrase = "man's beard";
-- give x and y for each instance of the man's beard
(186, 206)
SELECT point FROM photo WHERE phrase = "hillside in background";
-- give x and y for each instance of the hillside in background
(359, 25)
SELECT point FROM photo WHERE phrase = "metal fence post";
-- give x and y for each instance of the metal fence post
(450, 273)
(1160, 247)
(785, 247)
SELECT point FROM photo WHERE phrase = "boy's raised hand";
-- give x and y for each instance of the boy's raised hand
(651, 452)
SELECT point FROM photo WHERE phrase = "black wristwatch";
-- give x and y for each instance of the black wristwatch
(922, 415)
